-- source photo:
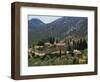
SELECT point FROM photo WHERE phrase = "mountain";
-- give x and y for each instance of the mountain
(67, 26)
(34, 23)
(60, 28)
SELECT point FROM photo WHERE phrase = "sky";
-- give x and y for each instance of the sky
(45, 19)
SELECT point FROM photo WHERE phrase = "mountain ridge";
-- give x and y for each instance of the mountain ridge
(60, 28)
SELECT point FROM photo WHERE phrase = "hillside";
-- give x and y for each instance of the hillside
(60, 28)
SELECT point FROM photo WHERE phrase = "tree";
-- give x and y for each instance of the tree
(68, 48)
(33, 44)
(57, 40)
(40, 43)
(51, 40)
(81, 44)
(77, 44)
(84, 44)
(71, 46)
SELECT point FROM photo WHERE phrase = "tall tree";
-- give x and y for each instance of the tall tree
(51, 40)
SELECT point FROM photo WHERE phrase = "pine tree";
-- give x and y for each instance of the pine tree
(51, 40)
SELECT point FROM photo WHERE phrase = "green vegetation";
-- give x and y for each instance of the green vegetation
(57, 59)
(70, 51)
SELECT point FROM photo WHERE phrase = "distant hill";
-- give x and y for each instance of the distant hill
(60, 28)
(34, 23)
